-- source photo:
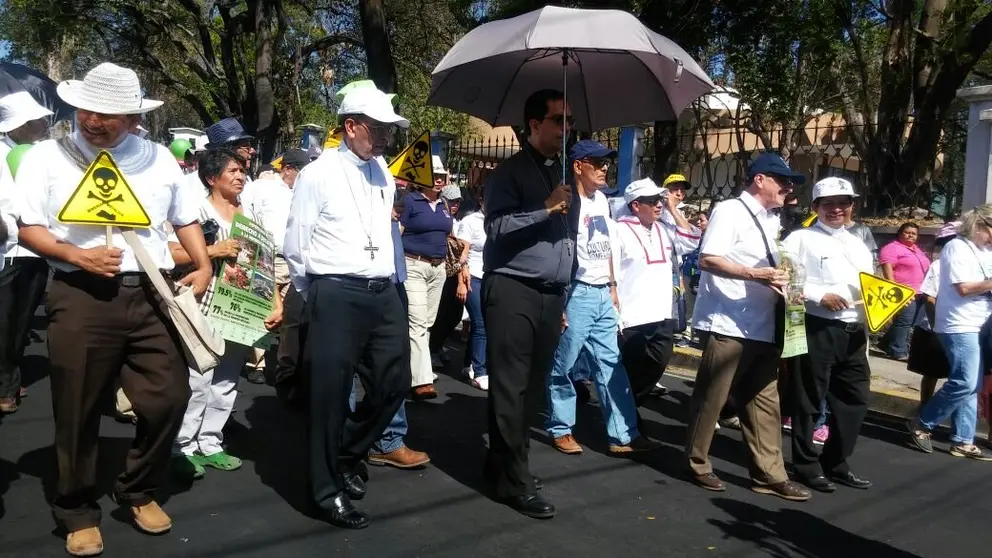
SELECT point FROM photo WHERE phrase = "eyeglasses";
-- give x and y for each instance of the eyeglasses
(782, 181)
(598, 162)
(560, 119)
(649, 200)
(376, 129)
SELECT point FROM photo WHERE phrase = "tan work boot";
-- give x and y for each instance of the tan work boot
(567, 444)
(151, 519)
(85, 542)
(402, 458)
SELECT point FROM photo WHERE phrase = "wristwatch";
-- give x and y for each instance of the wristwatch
(611, 284)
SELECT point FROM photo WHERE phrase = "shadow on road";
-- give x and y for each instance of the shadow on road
(788, 533)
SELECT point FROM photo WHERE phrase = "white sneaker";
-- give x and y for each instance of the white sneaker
(482, 382)
(469, 372)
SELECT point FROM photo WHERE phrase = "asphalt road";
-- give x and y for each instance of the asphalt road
(921, 505)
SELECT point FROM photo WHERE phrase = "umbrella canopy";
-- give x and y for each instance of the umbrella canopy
(618, 71)
(16, 77)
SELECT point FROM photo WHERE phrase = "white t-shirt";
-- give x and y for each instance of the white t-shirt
(472, 230)
(962, 262)
(270, 202)
(7, 196)
(733, 307)
(593, 241)
(47, 178)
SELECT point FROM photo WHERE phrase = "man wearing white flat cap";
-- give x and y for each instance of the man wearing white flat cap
(105, 318)
(836, 366)
(24, 274)
(339, 248)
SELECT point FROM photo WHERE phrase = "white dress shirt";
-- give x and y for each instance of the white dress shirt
(270, 202)
(834, 259)
(734, 307)
(47, 178)
(471, 229)
(339, 202)
(644, 269)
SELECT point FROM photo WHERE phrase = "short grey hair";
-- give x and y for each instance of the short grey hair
(981, 215)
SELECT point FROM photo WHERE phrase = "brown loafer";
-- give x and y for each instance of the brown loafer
(84, 542)
(151, 519)
(788, 490)
(709, 481)
(567, 445)
(423, 393)
(402, 458)
(639, 444)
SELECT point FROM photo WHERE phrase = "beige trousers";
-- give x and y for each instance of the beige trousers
(750, 368)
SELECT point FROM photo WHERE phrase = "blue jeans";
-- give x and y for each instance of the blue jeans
(958, 398)
(477, 342)
(592, 325)
(392, 437)
(895, 341)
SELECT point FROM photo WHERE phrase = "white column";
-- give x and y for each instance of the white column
(978, 155)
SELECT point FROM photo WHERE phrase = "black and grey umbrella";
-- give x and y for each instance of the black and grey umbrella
(16, 77)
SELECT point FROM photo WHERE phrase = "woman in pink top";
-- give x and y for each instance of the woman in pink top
(904, 262)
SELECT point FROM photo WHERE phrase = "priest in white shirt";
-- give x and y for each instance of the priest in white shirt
(646, 276)
(339, 248)
(591, 318)
(836, 366)
(24, 275)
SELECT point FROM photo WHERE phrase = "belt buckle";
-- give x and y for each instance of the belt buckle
(852, 327)
(131, 280)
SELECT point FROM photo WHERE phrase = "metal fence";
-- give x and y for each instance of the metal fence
(714, 154)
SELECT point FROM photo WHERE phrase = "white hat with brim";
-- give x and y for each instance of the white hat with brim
(643, 188)
(437, 167)
(107, 89)
(833, 186)
(372, 103)
(17, 109)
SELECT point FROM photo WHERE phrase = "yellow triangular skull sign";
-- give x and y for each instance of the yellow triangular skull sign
(883, 299)
(414, 163)
(104, 197)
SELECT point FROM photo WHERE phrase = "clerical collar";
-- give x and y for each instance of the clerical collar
(830, 230)
(538, 156)
(349, 156)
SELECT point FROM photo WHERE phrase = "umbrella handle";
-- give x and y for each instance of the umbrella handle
(564, 92)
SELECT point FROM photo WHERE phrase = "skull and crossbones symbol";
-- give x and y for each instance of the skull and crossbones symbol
(892, 296)
(106, 181)
(418, 159)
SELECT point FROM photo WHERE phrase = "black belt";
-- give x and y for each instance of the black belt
(846, 326)
(603, 286)
(374, 284)
(128, 279)
(539, 285)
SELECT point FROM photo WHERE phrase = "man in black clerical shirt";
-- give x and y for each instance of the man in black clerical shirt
(529, 254)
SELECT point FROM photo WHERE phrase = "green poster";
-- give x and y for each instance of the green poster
(795, 331)
(244, 288)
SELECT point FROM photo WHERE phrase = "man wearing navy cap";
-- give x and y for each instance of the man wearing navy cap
(591, 318)
(740, 316)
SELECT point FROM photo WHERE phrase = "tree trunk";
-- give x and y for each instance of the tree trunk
(375, 33)
(266, 116)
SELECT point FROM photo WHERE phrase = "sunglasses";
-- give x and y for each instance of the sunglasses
(598, 162)
(649, 200)
(560, 119)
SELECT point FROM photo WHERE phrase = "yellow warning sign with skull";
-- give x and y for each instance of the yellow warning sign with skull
(414, 163)
(883, 299)
(104, 197)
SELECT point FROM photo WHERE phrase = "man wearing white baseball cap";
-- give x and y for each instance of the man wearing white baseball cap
(836, 366)
(24, 275)
(339, 248)
(647, 273)
(105, 318)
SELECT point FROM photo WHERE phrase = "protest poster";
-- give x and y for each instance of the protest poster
(245, 287)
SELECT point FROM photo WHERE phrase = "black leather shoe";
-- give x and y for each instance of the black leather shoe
(538, 483)
(531, 505)
(819, 483)
(345, 515)
(354, 486)
(851, 480)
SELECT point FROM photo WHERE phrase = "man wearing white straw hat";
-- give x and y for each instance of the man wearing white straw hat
(24, 275)
(105, 318)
